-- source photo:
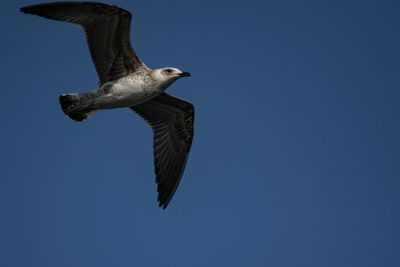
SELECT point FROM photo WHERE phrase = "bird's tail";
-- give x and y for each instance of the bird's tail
(77, 106)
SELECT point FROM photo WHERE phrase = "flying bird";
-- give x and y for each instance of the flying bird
(125, 81)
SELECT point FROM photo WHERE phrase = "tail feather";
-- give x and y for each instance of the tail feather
(76, 106)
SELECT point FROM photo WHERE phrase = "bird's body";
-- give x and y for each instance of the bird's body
(127, 91)
(125, 81)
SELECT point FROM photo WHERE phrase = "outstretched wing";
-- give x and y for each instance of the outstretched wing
(172, 120)
(107, 30)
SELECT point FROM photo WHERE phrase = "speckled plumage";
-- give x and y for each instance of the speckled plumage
(125, 81)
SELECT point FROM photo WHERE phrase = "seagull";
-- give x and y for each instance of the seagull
(125, 81)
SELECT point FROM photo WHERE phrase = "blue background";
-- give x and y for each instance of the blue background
(295, 160)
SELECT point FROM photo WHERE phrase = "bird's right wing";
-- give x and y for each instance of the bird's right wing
(172, 120)
(107, 30)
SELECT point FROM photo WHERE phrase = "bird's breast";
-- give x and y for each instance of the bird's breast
(125, 92)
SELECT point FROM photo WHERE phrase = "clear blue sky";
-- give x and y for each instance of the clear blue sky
(295, 160)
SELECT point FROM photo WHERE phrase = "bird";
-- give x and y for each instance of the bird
(126, 82)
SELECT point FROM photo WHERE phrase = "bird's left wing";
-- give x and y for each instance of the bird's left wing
(107, 30)
(172, 120)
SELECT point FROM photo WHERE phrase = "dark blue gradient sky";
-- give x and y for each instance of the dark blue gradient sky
(295, 160)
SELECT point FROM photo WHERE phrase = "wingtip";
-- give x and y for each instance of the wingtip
(162, 204)
(27, 10)
(23, 9)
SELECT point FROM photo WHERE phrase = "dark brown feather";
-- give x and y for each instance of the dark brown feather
(107, 30)
(172, 120)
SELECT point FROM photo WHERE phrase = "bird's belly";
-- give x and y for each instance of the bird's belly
(123, 95)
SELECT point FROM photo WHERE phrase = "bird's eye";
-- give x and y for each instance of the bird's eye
(168, 71)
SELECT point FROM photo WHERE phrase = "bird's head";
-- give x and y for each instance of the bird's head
(166, 76)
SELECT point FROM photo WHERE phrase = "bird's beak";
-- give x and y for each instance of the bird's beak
(185, 74)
